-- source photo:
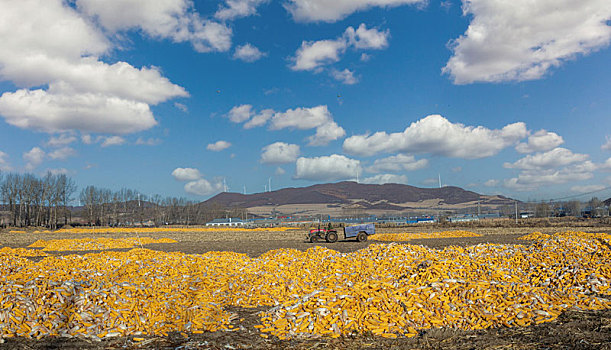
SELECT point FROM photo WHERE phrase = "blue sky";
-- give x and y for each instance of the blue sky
(175, 96)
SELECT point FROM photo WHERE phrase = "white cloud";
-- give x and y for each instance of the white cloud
(607, 145)
(87, 139)
(434, 134)
(248, 53)
(48, 43)
(40, 110)
(430, 181)
(280, 171)
(186, 174)
(301, 118)
(113, 141)
(606, 165)
(4, 165)
(259, 119)
(181, 106)
(555, 158)
(203, 187)
(218, 146)
(279, 153)
(148, 142)
(541, 141)
(327, 168)
(161, 19)
(492, 183)
(62, 153)
(381, 179)
(326, 133)
(363, 38)
(233, 9)
(239, 114)
(529, 180)
(331, 11)
(587, 188)
(400, 162)
(521, 40)
(34, 158)
(312, 55)
(345, 76)
(61, 140)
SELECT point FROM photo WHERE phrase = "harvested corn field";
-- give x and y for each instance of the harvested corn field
(404, 237)
(100, 243)
(384, 290)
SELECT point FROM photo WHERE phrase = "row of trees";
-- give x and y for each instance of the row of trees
(31, 201)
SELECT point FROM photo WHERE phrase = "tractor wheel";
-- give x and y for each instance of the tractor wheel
(331, 237)
(313, 239)
(361, 237)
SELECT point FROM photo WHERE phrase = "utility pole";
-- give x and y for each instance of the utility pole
(439, 180)
(269, 180)
(516, 205)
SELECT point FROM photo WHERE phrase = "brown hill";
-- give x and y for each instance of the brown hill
(349, 193)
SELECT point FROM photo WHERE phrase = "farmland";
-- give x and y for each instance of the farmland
(269, 289)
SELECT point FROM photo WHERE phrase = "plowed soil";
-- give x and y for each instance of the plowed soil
(572, 330)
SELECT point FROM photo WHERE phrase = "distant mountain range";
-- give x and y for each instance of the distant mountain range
(352, 195)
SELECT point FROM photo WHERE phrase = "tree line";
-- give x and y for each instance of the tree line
(28, 200)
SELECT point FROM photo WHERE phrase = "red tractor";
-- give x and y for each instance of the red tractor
(329, 234)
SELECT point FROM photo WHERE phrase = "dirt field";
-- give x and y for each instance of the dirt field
(572, 330)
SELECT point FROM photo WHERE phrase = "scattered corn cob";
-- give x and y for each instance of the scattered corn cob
(403, 237)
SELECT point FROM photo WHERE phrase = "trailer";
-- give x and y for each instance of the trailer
(329, 234)
(361, 232)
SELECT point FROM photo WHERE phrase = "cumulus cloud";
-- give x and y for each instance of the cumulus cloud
(505, 42)
(607, 145)
(280, 171)
(325, 133)
(48, 43)
(181, 106)
(4, 164)
(112, 141)
(312, 55)
(301, 118)
(233, 9)
(218, 146)
(279, 153)
(259, 119)
(552, 159)
(345, 76)
(327, 168)
(541, 141)
(87, 139)
(435, 134)
(163, 19)
(48, 112)
(331, 11)
(59, 171)
(248, 53)
(587, 188)
(61, 140)
(62, 153)
(381, 179)
(186, 174)
(529, 180)
(240, 114)
(400, 162)
(33, 158)
(203, 187)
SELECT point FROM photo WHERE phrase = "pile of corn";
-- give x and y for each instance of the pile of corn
(58, 245)
(402, 237)
(133, 230)
(536, 236)
(16, 231)
(386, 289)
(28, 253)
